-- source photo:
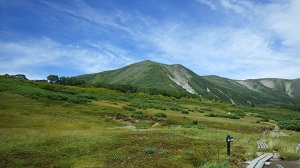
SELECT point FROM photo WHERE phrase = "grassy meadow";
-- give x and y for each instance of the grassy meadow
(48, 125)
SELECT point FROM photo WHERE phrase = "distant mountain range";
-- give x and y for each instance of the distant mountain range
(148, 74)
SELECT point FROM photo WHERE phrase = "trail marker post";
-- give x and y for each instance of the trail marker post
(229, 139)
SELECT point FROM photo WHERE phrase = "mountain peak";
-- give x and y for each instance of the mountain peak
(177, 78)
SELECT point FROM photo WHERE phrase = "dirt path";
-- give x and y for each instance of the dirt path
(285, 164)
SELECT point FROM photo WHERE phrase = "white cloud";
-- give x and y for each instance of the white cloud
(208, 3)
(28, 56)
(258, 40)
(283, 19)
(95, 18)
(239, 52)
(232, 5)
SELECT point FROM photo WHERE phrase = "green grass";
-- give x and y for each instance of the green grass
(42, 132)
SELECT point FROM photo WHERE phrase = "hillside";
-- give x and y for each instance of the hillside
(148, 74)
(51, 125)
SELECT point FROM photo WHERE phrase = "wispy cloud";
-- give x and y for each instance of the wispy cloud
(29, 56)
(97, 19)
(208, 3)
(240, 52)
(254, 40)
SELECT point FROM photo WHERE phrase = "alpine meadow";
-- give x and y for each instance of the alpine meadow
(97, 121)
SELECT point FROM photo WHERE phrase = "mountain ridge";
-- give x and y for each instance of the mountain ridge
(176, 77)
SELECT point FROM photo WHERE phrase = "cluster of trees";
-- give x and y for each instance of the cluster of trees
(168, 93)
(52, 79)
(18, 76)
(125, 88)
(128, 88)
(65, 80)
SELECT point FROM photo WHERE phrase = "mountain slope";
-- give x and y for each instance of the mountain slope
(148, 74)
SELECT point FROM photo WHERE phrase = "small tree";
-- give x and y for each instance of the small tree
(19, 76)
(53, 78)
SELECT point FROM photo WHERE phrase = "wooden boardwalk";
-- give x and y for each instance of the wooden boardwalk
(259, 162)
(261, 144)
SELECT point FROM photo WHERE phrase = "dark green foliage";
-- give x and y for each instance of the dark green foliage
(151, 150)
(200, 110)
(189, 153)
(139, 114)
(242, 114)
(53, 78)
(87, 96)
(19, 76)
(163, 115)
(168, 93)
(290, 115)
(185, 111)
(176, 108)
(129, 108)
(295, 107)
(290, 125)
(71, 81)
(205, 109)
(211, 115)
(163, 152)
(231, 116)
(198, 126)
(125, 88)
(265, 120)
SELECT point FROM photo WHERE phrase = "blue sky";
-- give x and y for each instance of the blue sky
(237, 39)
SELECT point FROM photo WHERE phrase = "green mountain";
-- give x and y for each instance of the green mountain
(148, 74)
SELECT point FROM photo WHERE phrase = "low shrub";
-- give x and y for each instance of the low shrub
(198, 126)
(139, 114)
(163, 115)
(150, 150)
(265, 120)
(163, 152)
(231, 116)
(185, 112)
(129, 108)
(176, 108)
(189, 153)
(200, 110)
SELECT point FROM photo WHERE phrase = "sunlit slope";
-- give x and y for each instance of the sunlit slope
(148, 74)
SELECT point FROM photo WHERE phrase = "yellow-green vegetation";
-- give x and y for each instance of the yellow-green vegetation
(48, 125)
